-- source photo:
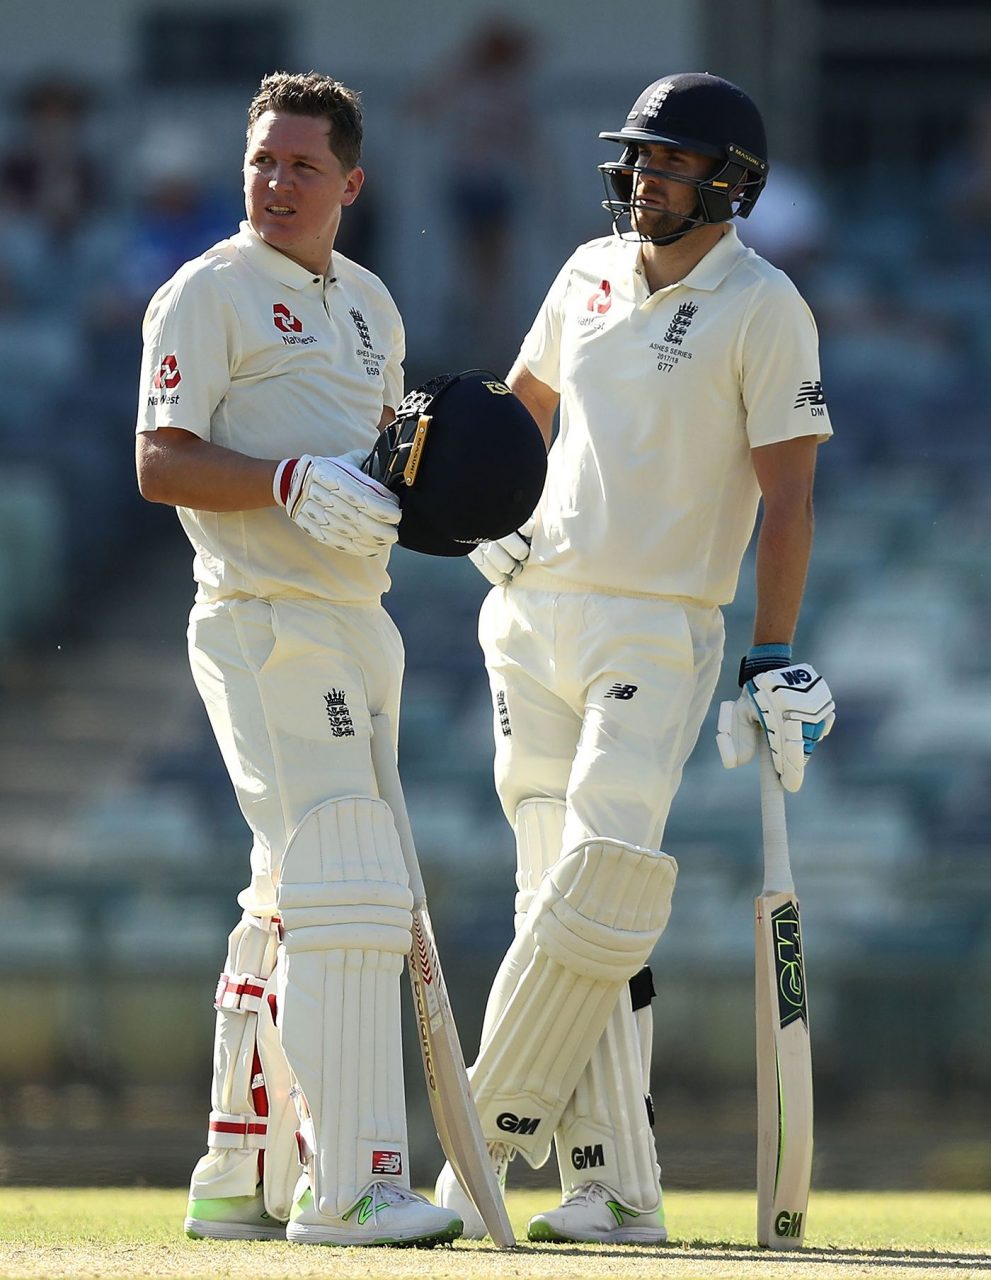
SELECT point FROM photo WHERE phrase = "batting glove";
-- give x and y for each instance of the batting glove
(333, 501)
(501, 560)
(789, 702)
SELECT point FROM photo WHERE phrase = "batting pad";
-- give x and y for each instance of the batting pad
(592, 924)
(604, 1134)
(252, 1119)
(345, 905)
(539, 827)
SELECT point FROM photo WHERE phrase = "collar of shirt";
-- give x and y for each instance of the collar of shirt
(273, 263)
(711, 271)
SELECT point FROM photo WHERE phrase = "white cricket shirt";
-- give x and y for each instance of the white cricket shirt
(650, 487)
(249, 350)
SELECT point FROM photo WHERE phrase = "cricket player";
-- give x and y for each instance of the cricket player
(686, 372)
(271, 363)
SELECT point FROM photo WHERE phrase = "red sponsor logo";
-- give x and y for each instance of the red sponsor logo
(167, 374)
(387, 1162)
(601, 299)
(285, 320)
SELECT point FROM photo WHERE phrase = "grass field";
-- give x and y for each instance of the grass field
(49, 1233)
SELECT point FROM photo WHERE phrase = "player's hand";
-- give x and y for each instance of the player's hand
(336, 503)
(501, 560)
(792, 705)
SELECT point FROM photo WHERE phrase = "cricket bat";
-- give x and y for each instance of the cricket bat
(448, 1087)
(784, 1057)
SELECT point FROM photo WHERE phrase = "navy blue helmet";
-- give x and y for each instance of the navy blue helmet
(695, 112)
(466, 460)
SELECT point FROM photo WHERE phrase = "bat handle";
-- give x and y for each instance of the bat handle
(391, 790)
(777, 866)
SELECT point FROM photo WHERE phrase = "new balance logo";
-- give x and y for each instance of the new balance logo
(390, 1162)
(516, 1124)
(363, 1210)
(588, 1157)
(622, 691)
(810, 393)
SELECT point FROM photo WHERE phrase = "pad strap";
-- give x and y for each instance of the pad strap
(239, 1133)
(240, 992)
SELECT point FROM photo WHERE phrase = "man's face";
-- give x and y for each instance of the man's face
(661, 203)
(295, 187)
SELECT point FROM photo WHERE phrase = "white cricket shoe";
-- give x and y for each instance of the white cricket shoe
(452, 1195)
(232, 1218)
(593, 1212)
(385, 1213)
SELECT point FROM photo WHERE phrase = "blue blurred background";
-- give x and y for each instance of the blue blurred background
(121, 129)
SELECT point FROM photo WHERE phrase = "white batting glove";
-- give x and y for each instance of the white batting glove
(336, 503)
(792, 705)
(501, 560)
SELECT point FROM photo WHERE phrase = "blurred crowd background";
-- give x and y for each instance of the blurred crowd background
(121, 130)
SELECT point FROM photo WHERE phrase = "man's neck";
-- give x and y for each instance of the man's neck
(666, 264)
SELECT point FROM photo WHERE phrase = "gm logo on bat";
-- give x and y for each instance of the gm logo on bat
(788, 1224)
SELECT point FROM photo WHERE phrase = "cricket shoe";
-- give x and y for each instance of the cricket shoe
(452, 1195)
(232, 1218)
(385, 1213)
(593, 1212)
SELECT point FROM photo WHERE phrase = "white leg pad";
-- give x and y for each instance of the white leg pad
(539, 827)
(592, 924)
(604, 1134)
(252, 1119)
(345, 905)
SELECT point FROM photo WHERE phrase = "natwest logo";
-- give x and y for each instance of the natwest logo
(285, 320)
(601, 300)
(167, 374)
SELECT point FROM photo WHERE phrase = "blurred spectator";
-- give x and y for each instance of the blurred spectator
(176, 214)
(49, 174)
(54, 199)
(481, 100)
(964, 179)
(788, 226)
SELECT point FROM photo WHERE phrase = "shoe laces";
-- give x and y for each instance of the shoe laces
(501, 1155)
(392, 1193)
(588, 1193)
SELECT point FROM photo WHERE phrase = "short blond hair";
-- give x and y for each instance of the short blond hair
(308, 93)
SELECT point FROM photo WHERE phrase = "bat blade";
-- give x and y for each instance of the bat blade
(784, 1053)
(448, 1089)
(784, 1075)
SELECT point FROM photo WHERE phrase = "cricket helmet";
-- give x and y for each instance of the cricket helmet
(696, 112)
(466, 460)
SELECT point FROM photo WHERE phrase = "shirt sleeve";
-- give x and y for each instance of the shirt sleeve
(541, 348)
(781, 381)
(189, 335)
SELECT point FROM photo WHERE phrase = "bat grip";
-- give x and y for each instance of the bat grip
(777, 866)
(391, 790)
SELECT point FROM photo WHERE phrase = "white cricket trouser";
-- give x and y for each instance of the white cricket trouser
(290, 686)
(598, 701)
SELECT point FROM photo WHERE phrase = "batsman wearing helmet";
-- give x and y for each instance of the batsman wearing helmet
(686, 372)
(271, 363)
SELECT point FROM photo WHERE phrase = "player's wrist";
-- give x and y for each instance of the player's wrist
(282, 480)
(763, 657)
